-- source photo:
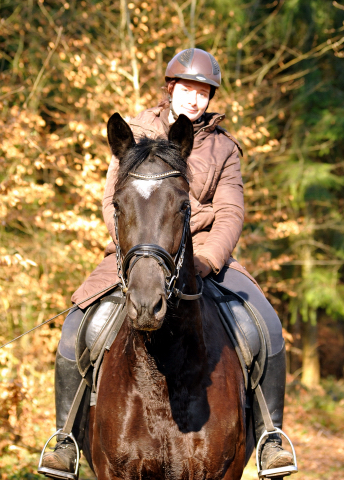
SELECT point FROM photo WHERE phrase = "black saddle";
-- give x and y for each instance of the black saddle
(103, 320)
(243, 325)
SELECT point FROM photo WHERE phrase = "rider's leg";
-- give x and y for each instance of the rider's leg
(67, 381)
(273, 380)
(273, 386)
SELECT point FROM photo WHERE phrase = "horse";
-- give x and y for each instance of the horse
(171, 394)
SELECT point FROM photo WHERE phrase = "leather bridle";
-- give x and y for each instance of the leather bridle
(171, 267)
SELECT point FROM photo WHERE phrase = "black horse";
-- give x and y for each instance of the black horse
(171, 395)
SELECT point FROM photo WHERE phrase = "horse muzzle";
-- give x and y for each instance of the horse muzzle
(146, 313)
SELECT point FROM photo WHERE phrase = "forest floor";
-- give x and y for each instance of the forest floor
(314, 420)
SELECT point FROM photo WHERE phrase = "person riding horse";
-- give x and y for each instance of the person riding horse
(217, 215)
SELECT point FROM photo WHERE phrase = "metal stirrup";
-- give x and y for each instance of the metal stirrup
(269, 430)
(67, 432)
(279, 472)
(59, 474)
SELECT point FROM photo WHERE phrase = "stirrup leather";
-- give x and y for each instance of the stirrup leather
(275, 472)
(59, 474)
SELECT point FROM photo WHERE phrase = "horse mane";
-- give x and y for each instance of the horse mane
(147, 148)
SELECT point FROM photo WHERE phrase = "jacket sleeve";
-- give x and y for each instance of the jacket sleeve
(228, 207)
(108, 208)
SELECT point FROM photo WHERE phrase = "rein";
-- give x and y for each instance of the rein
(170, 266)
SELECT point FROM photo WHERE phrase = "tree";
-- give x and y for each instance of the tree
(65, 67)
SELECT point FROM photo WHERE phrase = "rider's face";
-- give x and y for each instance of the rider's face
(190, 98)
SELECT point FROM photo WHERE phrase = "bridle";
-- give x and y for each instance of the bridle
(171, 267)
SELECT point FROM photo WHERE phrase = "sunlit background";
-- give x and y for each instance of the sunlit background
(65, 67)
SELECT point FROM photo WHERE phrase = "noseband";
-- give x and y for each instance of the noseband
(170, 266)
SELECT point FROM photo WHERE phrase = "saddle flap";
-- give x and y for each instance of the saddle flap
(243, 328)
(101, 323)
(82, 353)
(243, 322)
(94, 329)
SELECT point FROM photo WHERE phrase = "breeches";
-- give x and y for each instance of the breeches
(229, 278)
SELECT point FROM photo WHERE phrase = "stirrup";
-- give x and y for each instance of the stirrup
(275, 472)
(52, 472)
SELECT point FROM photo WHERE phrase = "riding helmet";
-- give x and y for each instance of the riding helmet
(195, 64)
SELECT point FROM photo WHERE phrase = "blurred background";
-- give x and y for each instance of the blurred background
(65, 67)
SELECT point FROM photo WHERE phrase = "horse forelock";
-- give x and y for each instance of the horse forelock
(148, 149)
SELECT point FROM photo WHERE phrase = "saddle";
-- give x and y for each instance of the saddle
(97, 332)
(103, 320)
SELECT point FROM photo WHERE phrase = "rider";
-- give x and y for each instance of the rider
(217, 205)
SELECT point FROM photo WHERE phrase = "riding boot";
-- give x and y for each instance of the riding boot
(272, 454)
(67, 381)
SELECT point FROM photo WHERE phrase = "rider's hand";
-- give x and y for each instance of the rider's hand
(202, 266)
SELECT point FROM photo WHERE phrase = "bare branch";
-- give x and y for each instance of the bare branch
(267, 20)
(264, 70)
(179, 10)
(296, 75)
(134, 78)
(192, 23)
(316, 51)
(338, 5)
(12, 92)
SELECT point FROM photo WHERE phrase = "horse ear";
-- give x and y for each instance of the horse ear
(120, 136)
(181, 133)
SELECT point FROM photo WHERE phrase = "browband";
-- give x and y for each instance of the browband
(158, 176)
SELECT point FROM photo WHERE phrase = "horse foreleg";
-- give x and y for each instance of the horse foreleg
(100, 465)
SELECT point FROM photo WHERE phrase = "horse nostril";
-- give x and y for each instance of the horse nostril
(158, 307)
(131, 308)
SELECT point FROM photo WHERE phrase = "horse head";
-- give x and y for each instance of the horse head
(152, 211)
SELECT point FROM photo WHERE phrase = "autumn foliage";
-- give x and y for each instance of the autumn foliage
(66, 66)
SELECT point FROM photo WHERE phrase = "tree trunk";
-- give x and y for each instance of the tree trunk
(310, 357)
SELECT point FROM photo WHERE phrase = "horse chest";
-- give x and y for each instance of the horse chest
(155, 404)
(162, 425)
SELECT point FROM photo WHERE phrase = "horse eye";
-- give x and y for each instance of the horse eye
(115, 204)
(184, 207)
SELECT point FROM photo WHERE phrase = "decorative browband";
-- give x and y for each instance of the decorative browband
(158, 176)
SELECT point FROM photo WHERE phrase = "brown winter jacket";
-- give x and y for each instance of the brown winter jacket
(216, 195)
